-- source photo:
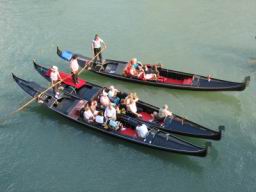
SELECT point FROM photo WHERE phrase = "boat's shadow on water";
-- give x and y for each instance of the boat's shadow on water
(183, 161)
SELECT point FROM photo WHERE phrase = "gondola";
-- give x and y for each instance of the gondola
(175, 124)
(168, 78)
(69, 106)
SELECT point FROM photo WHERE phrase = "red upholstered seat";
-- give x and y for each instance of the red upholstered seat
(129, 132)
(187, 81)
(68, 79)
(146, 116)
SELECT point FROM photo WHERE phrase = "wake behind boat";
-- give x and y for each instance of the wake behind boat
(70, 106)
(174, 124)
(167, 78)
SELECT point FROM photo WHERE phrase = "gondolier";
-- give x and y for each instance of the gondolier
(55, 77)
(74, 68)
(97, 42)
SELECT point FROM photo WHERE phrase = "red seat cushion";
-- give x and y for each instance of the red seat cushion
(68, 79)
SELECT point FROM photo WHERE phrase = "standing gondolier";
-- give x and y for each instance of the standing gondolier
(55, 77)
(74, 68)
(97, 42)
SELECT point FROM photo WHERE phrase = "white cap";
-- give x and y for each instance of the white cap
(111, 87)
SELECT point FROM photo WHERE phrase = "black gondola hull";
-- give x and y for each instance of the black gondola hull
(186, 128)
(197, 82)
(156, 139)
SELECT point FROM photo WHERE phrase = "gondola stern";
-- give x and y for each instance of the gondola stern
(58, 51)
(15, 78)
(218, 134)
(36, 66)
(247, 80)
(66, 55)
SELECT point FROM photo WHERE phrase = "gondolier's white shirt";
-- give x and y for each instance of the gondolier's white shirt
(97, 43)
(74, 65)
(54, 75)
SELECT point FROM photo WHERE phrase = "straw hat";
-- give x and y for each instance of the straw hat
(54, 68)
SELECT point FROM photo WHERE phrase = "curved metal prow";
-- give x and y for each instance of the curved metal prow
(59, 52)
(247, 80)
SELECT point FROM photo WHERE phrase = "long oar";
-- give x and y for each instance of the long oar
(34, 98)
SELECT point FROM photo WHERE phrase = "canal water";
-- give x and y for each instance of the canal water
(41, 151)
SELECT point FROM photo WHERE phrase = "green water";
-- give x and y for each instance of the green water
(41, 151)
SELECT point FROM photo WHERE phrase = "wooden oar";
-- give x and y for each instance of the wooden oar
(39, 95)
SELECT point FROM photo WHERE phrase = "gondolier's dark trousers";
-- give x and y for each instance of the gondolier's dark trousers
(96, 51)
(75, 77)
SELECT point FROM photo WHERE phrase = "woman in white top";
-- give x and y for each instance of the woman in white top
(88, 114)
(131, 105)
(110, 112)
(104, 99)
(97, 42)
(74, 68)
(163, 112)
(55, 77)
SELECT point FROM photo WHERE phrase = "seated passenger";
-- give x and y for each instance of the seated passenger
(132, 68)
(88, 114)
(146, 76)
(152, 70)
(112, 94)
(104, 100)
(93, 105)
(163, 112)
(131, 104)
(110, 112)
(142, 130)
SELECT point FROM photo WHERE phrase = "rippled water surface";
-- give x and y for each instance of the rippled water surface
(41, 151)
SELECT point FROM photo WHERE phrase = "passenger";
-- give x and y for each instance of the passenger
(163, 112)
(93, 106)
(152, 70)
(112, 94)
(55, 77)
(131, 104)
(74, 68)
(104, 100)
(142, 130)
(127, 99)
(88, 114)
(146, 76)
(132, 68)
(110, 112)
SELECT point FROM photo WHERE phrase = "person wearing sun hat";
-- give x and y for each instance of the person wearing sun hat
(55, 77)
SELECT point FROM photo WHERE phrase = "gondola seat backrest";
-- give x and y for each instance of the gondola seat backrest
(75, 110)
